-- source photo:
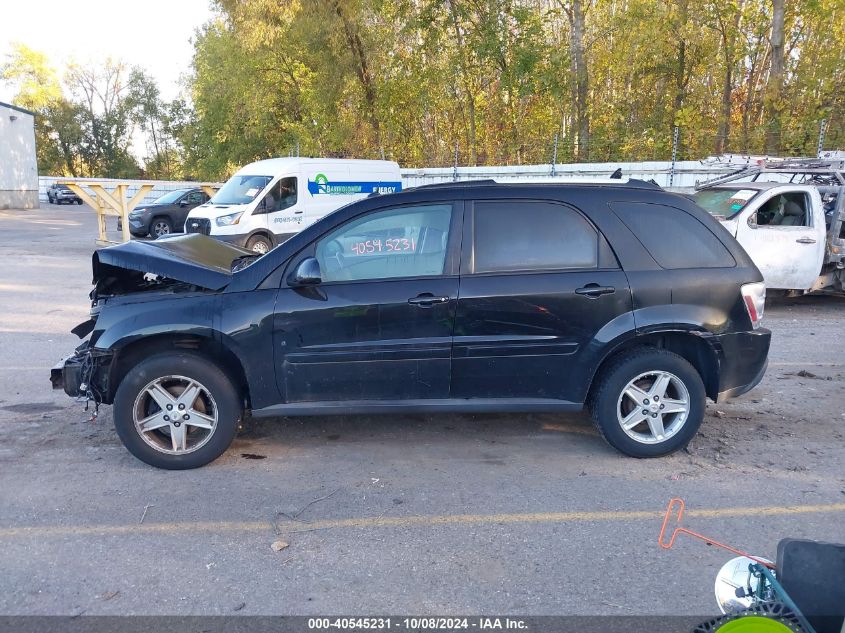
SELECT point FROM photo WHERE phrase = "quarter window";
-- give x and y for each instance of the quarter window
(400, 242)
(674, 238)
(512, 236)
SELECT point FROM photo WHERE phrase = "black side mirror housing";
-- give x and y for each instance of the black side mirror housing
(307, 273)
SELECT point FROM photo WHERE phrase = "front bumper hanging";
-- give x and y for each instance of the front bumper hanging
(79, 375)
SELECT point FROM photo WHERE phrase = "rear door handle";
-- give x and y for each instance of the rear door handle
(427, 299)
(806, 240)
(594, 291)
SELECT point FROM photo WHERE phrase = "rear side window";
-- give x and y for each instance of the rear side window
(511, 236)
(674, 238)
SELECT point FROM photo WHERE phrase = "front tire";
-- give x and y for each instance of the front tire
(160, 226)
(259, 244)
(177, 411)
(648, 402)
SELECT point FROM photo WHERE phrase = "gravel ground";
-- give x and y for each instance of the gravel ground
(475, 514)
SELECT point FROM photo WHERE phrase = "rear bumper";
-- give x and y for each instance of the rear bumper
(743, 363)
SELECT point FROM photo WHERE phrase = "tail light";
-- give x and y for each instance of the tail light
(754, 296)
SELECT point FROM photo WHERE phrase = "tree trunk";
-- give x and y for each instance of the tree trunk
(362, 68)
(470, 93)
(774, 85)
(728, 36)
(575, 12)
(681, 68)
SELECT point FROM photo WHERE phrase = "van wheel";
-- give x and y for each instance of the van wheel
(259, 244)
(177, 410)
(648, 403)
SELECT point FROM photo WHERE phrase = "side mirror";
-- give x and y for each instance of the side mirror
(183, 203)
(307, 273)
(752, 221)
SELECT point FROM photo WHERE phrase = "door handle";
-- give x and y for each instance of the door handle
(427, 299)
(594, 291)
(806, 240)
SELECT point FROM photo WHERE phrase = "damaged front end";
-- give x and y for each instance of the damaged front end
(84, 374)
(134, 272)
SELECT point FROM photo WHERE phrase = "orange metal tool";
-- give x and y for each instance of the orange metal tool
(670, 510)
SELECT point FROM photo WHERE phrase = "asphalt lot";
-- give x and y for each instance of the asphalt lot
(446, 514)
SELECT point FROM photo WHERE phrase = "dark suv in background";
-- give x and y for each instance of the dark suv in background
(165, 215)
(472, 297)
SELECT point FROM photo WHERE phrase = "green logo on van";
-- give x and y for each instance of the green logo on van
(321, 185)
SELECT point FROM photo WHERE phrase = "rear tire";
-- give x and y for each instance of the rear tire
(207, 422)
(648, 402)
(259, 244)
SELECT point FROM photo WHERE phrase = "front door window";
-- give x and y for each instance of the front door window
(402, 242)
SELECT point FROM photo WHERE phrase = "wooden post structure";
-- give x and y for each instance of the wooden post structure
(114, 203)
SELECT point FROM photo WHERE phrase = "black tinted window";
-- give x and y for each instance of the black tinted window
(532, 236)
(674, 238)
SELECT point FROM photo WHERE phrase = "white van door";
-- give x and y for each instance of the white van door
(329, 188)
(285, 215)
(780, 235)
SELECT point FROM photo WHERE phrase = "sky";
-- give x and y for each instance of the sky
(153, 34)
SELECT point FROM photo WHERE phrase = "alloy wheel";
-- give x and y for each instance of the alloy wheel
(653, 407)
(161, 228)
(175, 415)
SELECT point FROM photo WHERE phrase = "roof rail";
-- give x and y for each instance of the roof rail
(456, 183)
(631, 182)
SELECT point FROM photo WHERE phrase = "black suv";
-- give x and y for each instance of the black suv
(59, 194)
(165, 215)
(477, 297)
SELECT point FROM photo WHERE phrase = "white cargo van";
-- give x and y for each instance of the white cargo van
(268, 201)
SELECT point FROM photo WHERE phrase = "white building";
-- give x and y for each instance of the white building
(18, 166)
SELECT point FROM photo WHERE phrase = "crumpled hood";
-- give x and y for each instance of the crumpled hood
(193, 258)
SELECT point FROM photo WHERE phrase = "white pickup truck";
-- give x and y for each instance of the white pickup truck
(788, 215)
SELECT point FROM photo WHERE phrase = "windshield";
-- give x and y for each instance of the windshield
(724, 203)
(170, 197)
(241, 189)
